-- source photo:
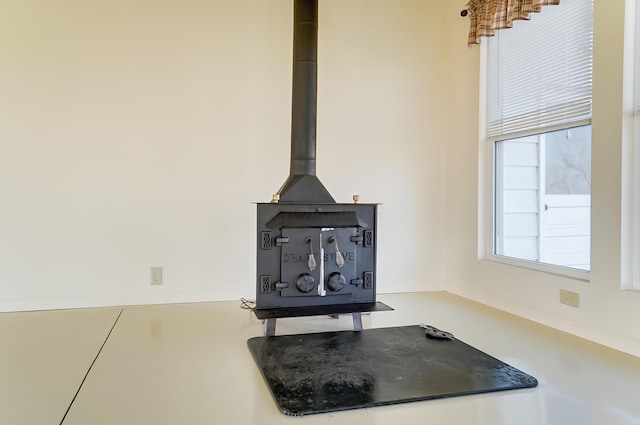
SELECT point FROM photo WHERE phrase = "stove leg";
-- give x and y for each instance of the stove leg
(271, 327)
(357, 321)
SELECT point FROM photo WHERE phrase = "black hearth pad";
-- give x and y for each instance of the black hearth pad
(330, 371)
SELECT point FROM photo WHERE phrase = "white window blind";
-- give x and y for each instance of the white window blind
(540, 71)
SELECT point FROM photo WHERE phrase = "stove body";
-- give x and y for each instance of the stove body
(315, 254)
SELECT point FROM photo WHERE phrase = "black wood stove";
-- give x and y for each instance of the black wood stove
(314, 256)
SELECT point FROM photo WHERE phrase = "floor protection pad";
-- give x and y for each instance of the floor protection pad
(332, 371)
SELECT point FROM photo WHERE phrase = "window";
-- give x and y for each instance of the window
(539, 76)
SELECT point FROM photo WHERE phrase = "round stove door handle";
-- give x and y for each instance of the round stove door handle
(305, 283)
(336, 281)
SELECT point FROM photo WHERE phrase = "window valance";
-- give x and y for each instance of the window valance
(487, 16)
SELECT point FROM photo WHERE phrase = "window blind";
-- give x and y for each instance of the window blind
(540, 71)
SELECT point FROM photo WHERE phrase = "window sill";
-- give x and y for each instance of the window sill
(577, 274)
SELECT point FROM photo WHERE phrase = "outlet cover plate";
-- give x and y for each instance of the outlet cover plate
(156, 275)
(570, 298)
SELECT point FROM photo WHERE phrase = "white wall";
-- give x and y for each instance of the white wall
(607, 314)
(138, 133)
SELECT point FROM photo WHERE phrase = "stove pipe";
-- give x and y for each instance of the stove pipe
(302, 185)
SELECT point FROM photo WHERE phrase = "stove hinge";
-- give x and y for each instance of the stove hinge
(281, 240)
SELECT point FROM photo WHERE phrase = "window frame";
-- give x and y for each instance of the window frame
(492, 197)
(631, 162)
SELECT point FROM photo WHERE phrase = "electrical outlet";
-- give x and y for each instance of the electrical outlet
(156, 275)
(570, 298)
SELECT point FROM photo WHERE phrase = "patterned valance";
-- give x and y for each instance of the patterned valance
(487, 16)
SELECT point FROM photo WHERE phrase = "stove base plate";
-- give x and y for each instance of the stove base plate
(319, 310)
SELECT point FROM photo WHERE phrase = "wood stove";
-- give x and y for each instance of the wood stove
(314, 256)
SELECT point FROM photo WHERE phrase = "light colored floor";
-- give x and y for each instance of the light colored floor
(189, 364)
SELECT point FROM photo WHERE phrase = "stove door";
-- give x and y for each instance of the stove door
(318, 262)
(339, 260)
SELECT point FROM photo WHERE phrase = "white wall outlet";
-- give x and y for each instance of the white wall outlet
(570, 298)
(156, 275)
